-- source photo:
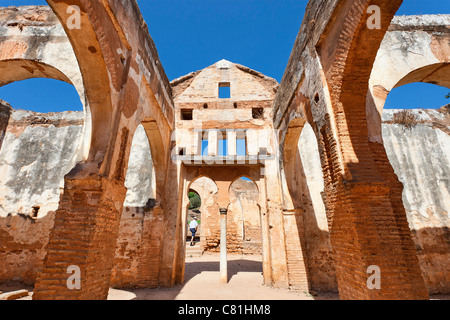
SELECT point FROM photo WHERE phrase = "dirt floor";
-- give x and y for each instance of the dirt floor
(202, 283)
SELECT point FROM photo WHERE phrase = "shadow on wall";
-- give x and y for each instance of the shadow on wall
(305, 184)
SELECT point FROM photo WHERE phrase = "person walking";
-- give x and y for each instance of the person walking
(193, 226)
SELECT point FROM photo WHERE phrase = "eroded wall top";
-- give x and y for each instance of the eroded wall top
(203, 86)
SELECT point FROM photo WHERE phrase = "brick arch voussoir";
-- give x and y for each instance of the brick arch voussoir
(96, 76)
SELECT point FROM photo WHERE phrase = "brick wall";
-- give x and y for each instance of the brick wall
(22, 242)
(296, 251)
(136, 262)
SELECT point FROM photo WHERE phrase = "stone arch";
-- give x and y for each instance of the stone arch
(415, 49)
(159, 156)
(12, 70)
(289, 155)
(305, 224)
(120, 71)
(21, 69)
(209, 209)
(199, 177)
(357, 176)
(192, 187)
(246, 177)
(244, 216)
(426, 59)
(89, 52)
(140, 175)
(43, 52)
(46, 53)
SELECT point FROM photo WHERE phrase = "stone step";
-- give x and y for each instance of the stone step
(14, 295)
(194, 251)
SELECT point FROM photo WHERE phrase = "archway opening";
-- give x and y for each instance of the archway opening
(418, 95)
(202, 213)
(416, 136)
(41, 140)
(308, 249)
(203, 210)
(244, 218)
(194, 218)
(42, 95)
(140, 230)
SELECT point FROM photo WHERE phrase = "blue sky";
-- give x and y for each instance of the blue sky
(193, 34)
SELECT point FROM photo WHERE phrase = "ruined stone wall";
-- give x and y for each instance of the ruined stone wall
(420, 157)
(199, 93)
(141, 225)
(243, 219)
(38, 150)
(321, 271)
(5, 112)
(136, 262)
(35, 143)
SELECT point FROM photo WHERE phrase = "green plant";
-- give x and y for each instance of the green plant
(195, 200)
(447, 96)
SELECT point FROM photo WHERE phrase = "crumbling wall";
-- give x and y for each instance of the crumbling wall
(5, 112)
(34, 143)
(243, 217)
(22, 243)
(244, 220)
(141, 225)
(420, 157)
(38, 150)
(136, 262)
(321, 271)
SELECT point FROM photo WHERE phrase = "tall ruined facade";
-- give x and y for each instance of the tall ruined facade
(334, 85)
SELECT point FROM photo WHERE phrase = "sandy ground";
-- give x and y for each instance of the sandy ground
(202, 283)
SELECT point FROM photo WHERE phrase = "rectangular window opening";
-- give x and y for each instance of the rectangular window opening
(223, 147)
(258, 113)
(241, 143)
(224, 90)
(187, 114)
(205, 144)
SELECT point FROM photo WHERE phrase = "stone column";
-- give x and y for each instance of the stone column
(223, 246)
(231, 139)
(213, 143)
(80, 251)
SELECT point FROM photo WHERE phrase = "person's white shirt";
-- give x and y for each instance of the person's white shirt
(193, 224)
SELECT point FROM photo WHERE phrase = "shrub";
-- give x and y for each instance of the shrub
(406, 118)
(195, 200)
